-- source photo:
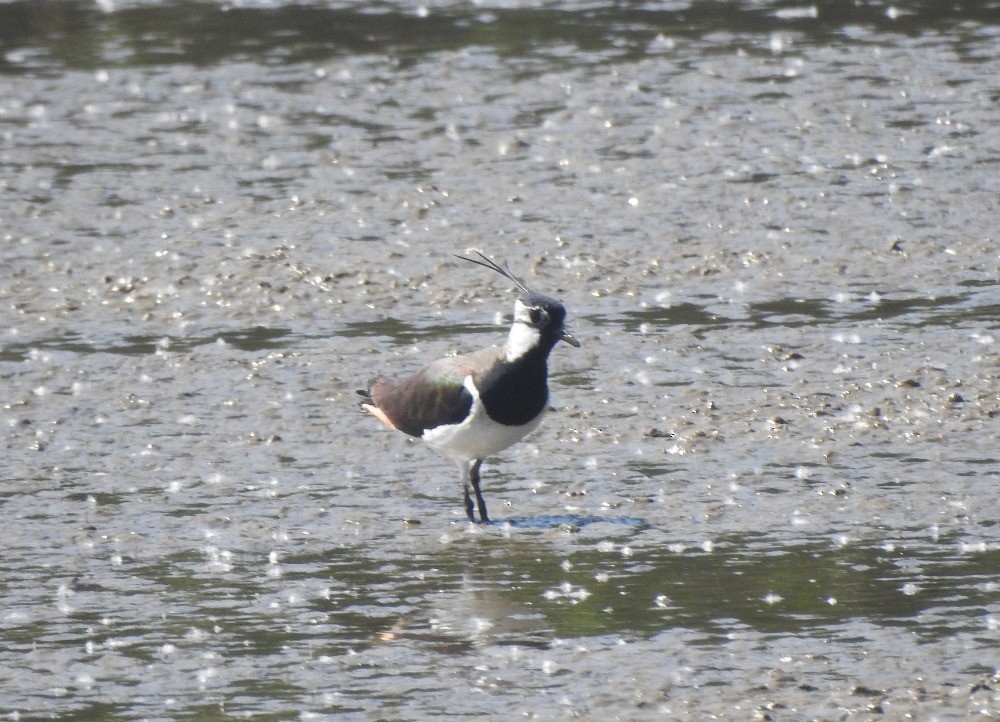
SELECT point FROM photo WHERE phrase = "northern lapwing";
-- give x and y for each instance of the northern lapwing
(468, 407)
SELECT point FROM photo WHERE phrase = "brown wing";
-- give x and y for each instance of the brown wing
(434, 396)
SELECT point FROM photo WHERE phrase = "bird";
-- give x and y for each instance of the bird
(471, 406)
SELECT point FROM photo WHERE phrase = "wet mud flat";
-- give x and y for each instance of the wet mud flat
(768, 484)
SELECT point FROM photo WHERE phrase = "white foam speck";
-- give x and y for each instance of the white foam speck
(273, 568)
(852, 338)
(662, 42)
(797, 13)
(972, 547)
(204, 675)
(566, 591)
(63, 593)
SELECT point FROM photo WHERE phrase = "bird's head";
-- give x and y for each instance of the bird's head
(539, 320)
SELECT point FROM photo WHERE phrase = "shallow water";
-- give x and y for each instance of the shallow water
(768, 487)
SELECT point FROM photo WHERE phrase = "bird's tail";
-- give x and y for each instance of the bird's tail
(368, 405)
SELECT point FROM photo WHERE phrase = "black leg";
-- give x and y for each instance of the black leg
(474, 474)
(469, 506)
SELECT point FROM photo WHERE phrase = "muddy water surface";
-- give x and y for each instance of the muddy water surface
(768, 488)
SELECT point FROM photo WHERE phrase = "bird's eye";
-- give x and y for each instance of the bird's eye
(538, 316)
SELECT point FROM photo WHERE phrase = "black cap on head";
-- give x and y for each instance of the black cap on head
(549, 315)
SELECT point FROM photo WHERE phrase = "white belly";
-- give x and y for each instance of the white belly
(478, 436)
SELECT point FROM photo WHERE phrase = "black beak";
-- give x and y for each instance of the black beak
(569, 338)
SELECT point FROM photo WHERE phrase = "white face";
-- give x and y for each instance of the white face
(523, 334)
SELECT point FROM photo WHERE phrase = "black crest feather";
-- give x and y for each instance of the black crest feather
(504, 270)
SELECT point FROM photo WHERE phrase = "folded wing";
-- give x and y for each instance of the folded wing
(434, 396)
